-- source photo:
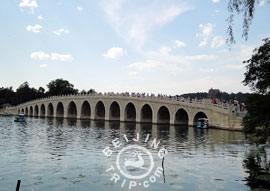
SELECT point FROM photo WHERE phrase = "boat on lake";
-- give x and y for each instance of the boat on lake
(19, 118)
(7, 114)
(203, 123)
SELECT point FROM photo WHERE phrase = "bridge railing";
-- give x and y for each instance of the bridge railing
(220, 105)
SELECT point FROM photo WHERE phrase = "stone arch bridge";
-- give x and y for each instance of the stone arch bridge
(140, 109)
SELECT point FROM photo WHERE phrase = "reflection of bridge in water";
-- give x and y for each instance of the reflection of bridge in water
(169, 134)
(131, 109)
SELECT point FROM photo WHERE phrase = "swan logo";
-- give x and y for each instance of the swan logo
(135, 157)
(135, 164)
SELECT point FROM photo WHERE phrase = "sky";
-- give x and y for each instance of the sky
(152, 46)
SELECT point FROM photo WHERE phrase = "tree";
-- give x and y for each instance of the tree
(41, 90)
(61, 87)
(25, 93)
(257, 77)
(258, 69)
(91, 91)
(247, 8)
(7, 95)
(83, 92)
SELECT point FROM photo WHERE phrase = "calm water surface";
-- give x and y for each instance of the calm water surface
(53, 154)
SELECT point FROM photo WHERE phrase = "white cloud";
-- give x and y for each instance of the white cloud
(80, 9)
(206, 31)
(164, 54)
(223, 51)
(61, 57)
(234, 59)
(114, 53)
(201, 57)
(178, 43)
(215, 1)
(35, 28)
(244, 53)
(135, 24)
(207, 70)
(165, 61)
(40, 55)
(150, 65)
(261, 3)
(32, 4)
(218, 41)
(53, 56)
(60, 31)
(43, 65)
(28, 3)
(133, 73)
(39, 17)
(165, 50)
(234, 66)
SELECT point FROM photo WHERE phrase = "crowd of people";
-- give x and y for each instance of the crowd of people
(226, 104)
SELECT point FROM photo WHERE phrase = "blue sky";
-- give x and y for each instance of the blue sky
(153, 46)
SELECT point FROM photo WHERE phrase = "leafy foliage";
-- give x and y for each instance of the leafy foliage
(257, 119)
(61, 87)
(258, 69)
(25, 93)
(257, 77)
(7, 95)
(245, 7)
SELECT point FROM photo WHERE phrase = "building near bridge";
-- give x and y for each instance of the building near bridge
(212, 93)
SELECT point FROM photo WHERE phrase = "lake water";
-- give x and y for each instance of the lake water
(54, 154)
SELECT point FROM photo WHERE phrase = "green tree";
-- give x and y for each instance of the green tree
(61, 87)
(245, 7)
(25, 93)
(41, 90)
(91, 91)
(83, 92)
(257, 77)
(7, 95)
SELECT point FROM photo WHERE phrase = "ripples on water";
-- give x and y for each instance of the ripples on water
(55, 154)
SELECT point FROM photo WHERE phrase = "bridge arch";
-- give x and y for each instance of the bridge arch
(163, 115)
(31, 111)
(22, 110)
(50, 110)
(181, 117)
(100, 111)
(85, 110)
(130, 112)
(146, 114)
(198, 115)
(26, 111)
(42, 110)
(60, 110)
(114, 112)
(72, 110)
(36, 111)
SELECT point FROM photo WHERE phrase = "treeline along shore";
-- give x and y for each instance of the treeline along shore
(59, 87)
